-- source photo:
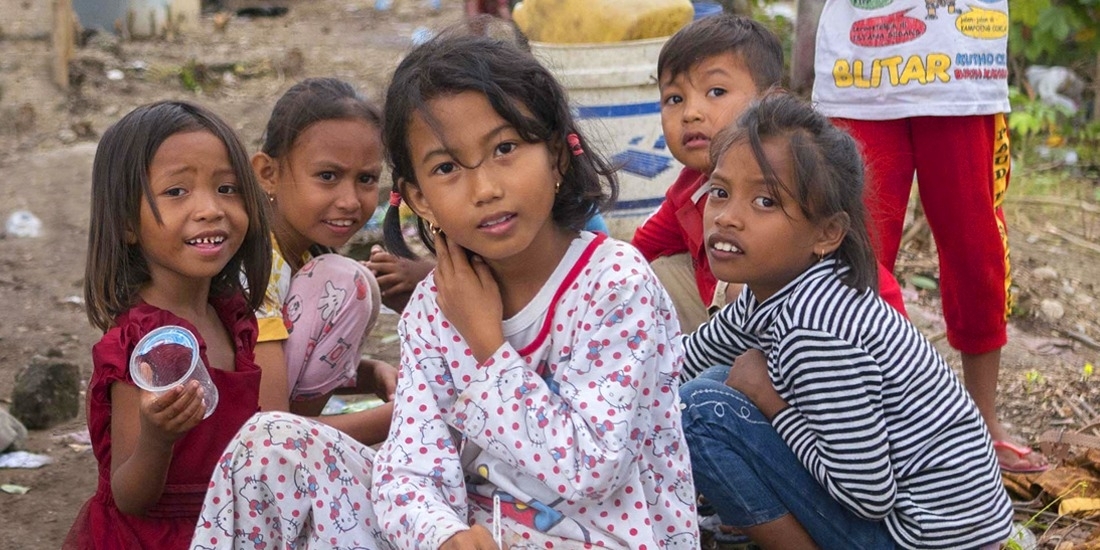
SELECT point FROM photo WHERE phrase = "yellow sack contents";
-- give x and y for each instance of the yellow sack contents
(585, 21)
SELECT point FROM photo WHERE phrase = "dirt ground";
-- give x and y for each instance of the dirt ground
(48, 139)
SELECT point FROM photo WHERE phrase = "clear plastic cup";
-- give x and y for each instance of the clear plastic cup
(172, 355)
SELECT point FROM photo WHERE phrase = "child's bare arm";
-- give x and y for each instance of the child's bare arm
(368, 427)
(144, 428)
(373, 376)
(274, 393)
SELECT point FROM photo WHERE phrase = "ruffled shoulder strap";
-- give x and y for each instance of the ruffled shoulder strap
(111, 355)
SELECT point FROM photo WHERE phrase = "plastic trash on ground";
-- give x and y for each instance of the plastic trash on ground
(22, 223)
(1022, 538)
(23, 459)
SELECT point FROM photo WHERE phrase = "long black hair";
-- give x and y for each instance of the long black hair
(827, 168)
(510, 78)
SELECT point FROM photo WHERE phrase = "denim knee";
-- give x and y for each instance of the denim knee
(752, 477)
(721, 427)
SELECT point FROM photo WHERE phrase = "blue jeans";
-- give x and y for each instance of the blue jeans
(751, 477)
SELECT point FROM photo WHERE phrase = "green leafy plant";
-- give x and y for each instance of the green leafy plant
(1062, 33)
(1054, 32)
(1088, 144)
(1033, 378)
(1031, 119)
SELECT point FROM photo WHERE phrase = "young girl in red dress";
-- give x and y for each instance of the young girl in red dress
(177, 222)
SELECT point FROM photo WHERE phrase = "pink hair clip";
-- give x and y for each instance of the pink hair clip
(395, 198)
(574, 142)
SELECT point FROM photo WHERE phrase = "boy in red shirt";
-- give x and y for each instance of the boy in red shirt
(708, 73)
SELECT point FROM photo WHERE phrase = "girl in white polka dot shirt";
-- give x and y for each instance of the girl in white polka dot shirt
(537, 402)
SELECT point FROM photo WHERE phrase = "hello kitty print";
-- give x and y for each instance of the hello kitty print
(288, 482)
(574, 427)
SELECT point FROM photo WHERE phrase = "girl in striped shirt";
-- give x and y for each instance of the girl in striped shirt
(829, 421)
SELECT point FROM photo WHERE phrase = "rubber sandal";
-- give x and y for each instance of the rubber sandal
(1021, 452)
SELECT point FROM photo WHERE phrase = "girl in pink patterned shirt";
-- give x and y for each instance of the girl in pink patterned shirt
(537, 402)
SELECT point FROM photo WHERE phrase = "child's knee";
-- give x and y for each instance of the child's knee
(701, 390)
(332, 290)
(333, 305)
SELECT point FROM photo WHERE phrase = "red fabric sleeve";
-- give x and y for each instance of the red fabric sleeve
(660, 234)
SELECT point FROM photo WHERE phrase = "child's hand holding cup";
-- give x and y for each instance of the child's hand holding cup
(168, 357)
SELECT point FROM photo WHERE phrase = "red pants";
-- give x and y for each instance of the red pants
(962, 168)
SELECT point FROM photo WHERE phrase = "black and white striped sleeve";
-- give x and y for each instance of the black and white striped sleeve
(717, 342)
(836, 424)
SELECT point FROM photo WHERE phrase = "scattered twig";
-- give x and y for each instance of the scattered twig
(1064, 532)
(1079, 337)
(1046, 166)
(1081, 414)
(917, 264)
(916, 228)
(1052, 517)
(1074, 239)
(1092, 417)
(1058, 201)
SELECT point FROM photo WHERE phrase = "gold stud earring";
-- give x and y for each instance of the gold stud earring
(557, 187)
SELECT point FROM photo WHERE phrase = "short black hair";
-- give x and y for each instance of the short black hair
(115, 269)
(757, 46)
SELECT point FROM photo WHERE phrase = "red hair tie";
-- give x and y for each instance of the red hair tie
(574, 142)
(395, 198)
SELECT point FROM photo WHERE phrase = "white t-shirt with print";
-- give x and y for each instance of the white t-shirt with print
(890, 59)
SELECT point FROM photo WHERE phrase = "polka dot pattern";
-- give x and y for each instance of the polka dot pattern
(310, 487)
(579, 435)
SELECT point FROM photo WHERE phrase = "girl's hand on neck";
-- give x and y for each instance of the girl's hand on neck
(469, 297)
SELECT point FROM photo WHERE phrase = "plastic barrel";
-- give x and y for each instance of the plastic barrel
(703, 9)
(613, 90)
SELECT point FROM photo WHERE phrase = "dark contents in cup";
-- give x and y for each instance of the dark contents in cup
(169, 362)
